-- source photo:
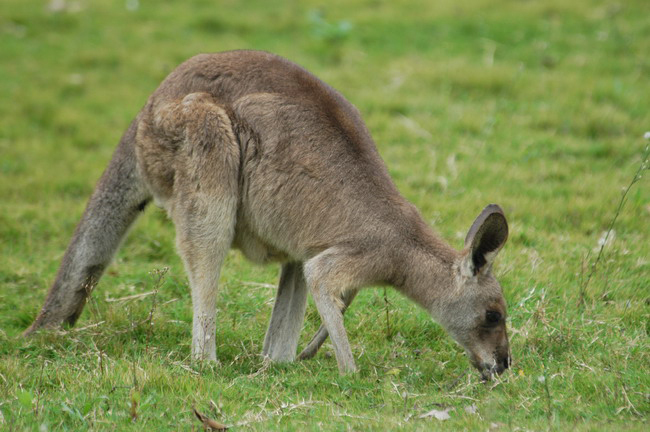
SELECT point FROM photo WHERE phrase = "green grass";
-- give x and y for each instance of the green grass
(537, 105)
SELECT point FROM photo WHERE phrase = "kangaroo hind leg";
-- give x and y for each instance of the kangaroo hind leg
(204, 205)
(281, 338)
(203, 243)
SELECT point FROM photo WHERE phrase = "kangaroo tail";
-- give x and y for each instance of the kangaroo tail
(119, 197)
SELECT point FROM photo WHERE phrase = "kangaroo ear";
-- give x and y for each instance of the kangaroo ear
(485, 239)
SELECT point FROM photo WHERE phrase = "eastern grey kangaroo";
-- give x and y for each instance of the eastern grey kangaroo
(245, 149)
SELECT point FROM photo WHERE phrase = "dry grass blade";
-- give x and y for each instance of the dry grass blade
(208, 423)
(134, 410)
(438, 414)
(135, 402)
(604, 241)
(131, 297)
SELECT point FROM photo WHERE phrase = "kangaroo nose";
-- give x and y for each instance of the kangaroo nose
(494, 366)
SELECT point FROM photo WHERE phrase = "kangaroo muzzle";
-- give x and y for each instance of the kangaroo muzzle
(491, 365)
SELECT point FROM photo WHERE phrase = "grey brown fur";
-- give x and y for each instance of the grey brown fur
(245, 149)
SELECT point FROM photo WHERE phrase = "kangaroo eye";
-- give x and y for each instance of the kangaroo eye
(492, 317)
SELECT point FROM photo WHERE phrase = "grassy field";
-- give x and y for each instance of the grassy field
(540, 106)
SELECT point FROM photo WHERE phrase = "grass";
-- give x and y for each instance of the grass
(539, 106)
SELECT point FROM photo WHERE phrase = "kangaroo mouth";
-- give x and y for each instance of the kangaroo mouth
(488, 372)
(490, 369)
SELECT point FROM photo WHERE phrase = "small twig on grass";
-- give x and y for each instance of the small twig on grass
(160, 275)
(134, 394)
(127, 298)
(80, 329)
(549, 413)
(583, 268)
(387, 307)
(101, 361)
(643, 166)
(114, 388)
(133, 327)
(630, 405)
(283, 410)
(38, 389)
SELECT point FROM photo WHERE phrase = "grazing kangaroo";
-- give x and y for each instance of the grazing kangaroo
(245, 149)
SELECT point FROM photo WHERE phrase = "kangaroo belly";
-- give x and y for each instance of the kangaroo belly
(254, 248)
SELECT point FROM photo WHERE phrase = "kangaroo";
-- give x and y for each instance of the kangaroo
(247, 150)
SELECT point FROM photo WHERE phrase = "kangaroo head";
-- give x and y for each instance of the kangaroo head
(475, 311)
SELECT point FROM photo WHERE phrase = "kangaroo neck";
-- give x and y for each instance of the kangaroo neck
(427, 270)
